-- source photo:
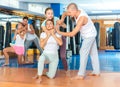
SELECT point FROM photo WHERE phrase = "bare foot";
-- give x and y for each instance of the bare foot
(78, 77)
(44, 74)
(39, 80)
(67, 73)
(23, 62)
(5, 64)
(92, 74)
(28, 62)
(35, 77)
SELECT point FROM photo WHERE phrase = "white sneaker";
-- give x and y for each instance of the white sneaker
(2, 56)
(11, 44)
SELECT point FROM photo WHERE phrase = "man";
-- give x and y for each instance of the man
(88, 32)
(30, 37)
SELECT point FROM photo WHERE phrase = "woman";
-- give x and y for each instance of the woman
(50, 15)
(50, 42)
(18, 47)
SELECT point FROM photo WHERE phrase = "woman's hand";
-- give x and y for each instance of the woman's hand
(48, 34)
(52, 32)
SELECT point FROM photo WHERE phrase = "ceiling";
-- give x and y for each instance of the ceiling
(93, 7)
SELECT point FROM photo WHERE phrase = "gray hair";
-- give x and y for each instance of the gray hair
(73, 4)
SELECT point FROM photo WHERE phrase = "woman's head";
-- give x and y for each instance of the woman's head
(49, 13)
(49, 24)
(21, 28)
(22, 32)
(20, 25)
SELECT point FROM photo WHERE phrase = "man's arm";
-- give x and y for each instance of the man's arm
(63, 25)
(32, 29)
(61, 21)
(64, 15)
(82, 21)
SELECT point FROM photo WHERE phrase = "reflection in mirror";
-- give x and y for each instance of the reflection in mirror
(109, 36)
(7, 28)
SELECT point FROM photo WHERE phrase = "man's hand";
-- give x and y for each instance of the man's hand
(57, 28)
(59, 22)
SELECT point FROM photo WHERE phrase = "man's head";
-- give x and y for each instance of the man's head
(25, 20)
(72, 9)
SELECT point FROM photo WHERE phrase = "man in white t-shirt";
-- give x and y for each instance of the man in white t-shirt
(85, 26)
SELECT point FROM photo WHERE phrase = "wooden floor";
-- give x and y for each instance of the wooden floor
(22, 77)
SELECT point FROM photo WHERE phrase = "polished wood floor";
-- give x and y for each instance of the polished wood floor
(22, 77)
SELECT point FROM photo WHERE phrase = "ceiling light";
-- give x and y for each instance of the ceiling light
(101, 11)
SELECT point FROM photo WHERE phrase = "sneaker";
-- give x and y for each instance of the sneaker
(2, 56)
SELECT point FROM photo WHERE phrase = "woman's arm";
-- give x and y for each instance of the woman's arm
(58, 39)
(44, 41)
(22, 32)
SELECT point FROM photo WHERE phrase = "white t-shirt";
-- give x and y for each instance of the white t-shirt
(87, 30)
(30, 36)
(19, 41)
(51, 45)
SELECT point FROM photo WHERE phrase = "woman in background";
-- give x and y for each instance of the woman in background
(18, 47)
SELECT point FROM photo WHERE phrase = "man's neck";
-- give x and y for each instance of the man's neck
(77, 14)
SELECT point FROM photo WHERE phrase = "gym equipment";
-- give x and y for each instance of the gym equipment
(78, 40)
(72, 43)
(97, 26)
(113, 37)
(117, 35)
(72, 39)
(1, 37)
(67, 30)
(8, 34)
(110, 40)
(68, 53)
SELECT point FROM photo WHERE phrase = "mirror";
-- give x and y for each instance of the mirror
(109, 36)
